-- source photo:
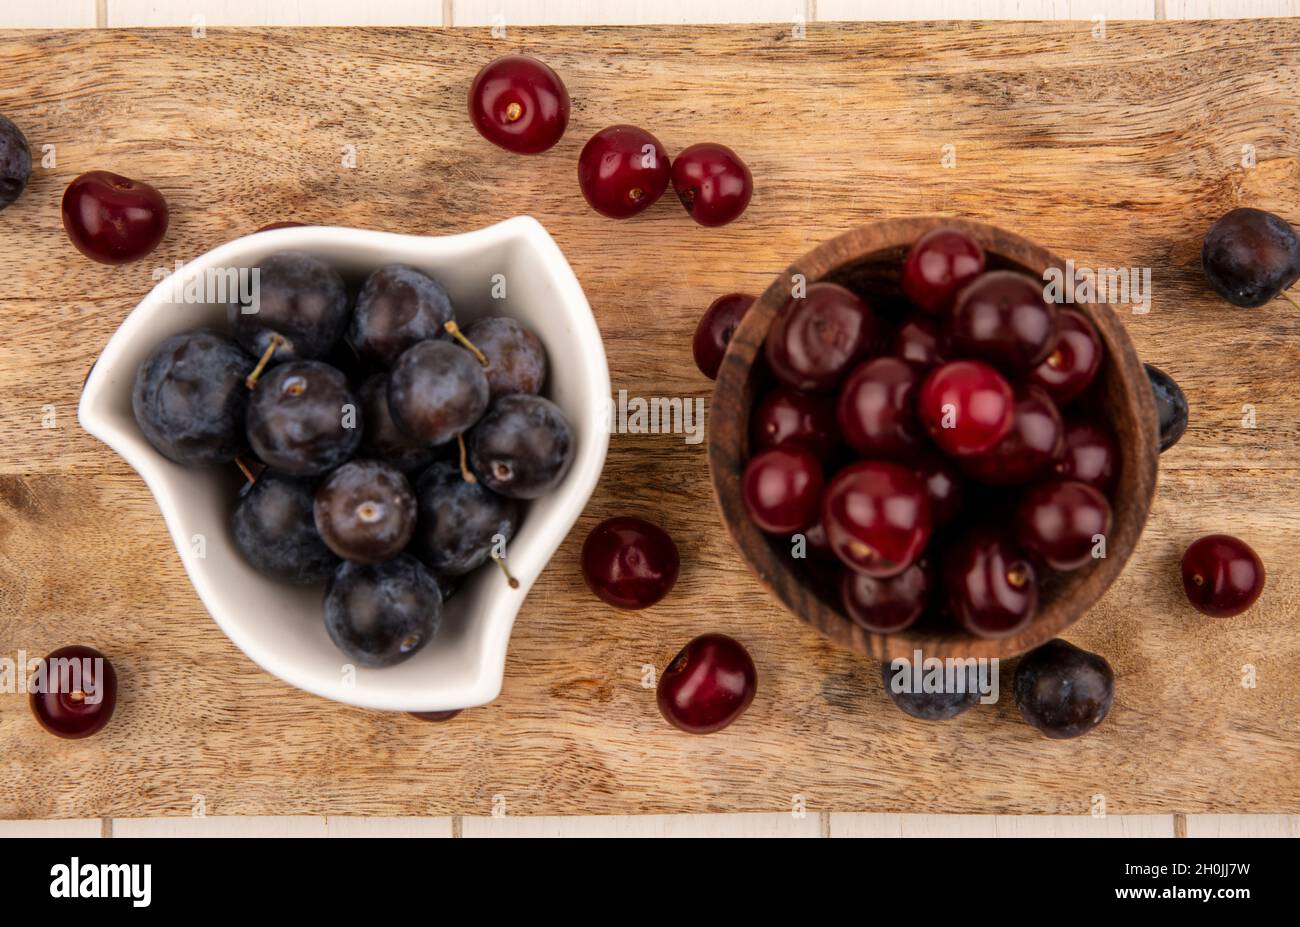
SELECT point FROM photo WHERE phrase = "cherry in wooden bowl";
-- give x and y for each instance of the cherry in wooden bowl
(869, 260)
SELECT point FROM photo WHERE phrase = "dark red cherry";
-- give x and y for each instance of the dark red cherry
(877, 517)
(886, 604)
(815, 535)
(1074, 360)
(708, 685)
(1004, 318)
(817, 338)
(79, 692)
(712, 182)
(1222, 575)
(1089, 454)
(943, 484)
(436, 715)
(629, 562)
(1059, 521)
(921, 341)
(113, 219)
(622, 170)
(787, 417)
(782, 489)
(716, 327)
(877, 409)
(938, 266)
(992, 587)
(519, 104)
(966, 406)
(1028, 451)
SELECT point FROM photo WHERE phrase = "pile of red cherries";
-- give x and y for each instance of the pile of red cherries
(521, 105)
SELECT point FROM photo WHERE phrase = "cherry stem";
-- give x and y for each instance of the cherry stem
(1291, 299)
(465, 472)
(246, 469)
(250, 381)
(501, 562)
(454, 330)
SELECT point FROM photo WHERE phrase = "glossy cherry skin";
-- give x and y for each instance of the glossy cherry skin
(71, 713)
(782, 489)
(816, 339)
(708, 685)
(519, 104)
(992, 588)
(113, 219)
(885, 605)
(943, 484)
(938, 266)
(622, 170)
(1004, 319)
(1222, 575)
(716, 327)
(1074, 360)
(877, 517)
(921, 341)
(1034, 443)
(712, 182)
(1089, 454)
(877, 409)
(1058, 521)
(966, 406)
(629, 562)
(787, 417)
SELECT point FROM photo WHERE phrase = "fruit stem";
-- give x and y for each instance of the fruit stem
(246, 470)
(250, 381)
(465, 472)
(1291, 299)
(501, 562)
(454, 330)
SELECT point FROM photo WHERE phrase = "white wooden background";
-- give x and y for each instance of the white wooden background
(126, 13)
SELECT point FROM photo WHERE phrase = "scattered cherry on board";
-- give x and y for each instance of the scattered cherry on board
(113, 219)
(519, 104)
(80, 692)
(708, 685)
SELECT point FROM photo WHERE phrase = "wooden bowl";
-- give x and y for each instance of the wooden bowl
(869, 259)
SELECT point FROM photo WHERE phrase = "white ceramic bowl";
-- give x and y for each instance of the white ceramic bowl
(280, 626)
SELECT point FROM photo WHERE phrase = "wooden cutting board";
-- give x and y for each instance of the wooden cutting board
(1115, 151)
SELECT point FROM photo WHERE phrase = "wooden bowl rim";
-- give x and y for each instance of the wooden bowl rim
(728, 446)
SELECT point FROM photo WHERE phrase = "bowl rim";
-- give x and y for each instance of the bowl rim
(572, 497)
(729, 438)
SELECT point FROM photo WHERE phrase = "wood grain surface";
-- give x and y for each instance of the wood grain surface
(1113, 152)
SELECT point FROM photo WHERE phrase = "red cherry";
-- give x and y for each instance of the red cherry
(966, 406)
(788, 417)
(519, 104)
(943, 484)
(938, 265)
(1057, 521)
(1004, 318)
(1031, 446)
(1074, 360)
(921, 341)
(888, 604)
(782, 488)
(629, 562)
(877, 517)
(113, 219)
(622, 170)
(1222, 575)
(713, 183)
(1089, 454)
(79, 694)
(708, 685)
(435, 715)
(877, 409)
(992, 588)
(716, 327)
(816, 339)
